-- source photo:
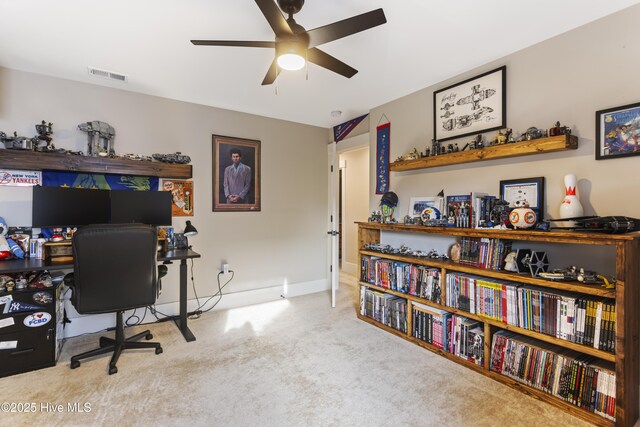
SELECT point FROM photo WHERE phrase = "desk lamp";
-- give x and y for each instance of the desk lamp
(190, 230)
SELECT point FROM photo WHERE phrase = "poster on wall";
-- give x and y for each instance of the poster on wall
(618, 132)
(182, 196)
(99, 181)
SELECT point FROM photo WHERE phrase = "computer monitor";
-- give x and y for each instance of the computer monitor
(63, 206)
(146, 207)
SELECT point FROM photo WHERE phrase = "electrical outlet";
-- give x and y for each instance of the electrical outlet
(225, 268)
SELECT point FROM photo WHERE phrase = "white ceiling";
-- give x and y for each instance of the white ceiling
(423, 43)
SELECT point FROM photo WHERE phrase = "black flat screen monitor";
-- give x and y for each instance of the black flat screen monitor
(62, 206)
(146, 207)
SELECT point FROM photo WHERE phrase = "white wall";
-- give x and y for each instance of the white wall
(567, 78)
(284, 243)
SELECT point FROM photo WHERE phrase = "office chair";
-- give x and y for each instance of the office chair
(115, 270)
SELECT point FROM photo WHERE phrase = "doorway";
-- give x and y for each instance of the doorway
(353, 200)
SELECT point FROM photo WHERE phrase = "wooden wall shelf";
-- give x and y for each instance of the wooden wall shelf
(516, 149)
(30, 160)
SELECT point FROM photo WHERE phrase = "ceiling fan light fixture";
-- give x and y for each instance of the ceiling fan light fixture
(291, 61)
(291, 55)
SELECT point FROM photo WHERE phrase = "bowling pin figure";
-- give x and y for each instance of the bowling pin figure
(570, 206)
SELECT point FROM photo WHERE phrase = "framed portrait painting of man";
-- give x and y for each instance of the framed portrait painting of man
(236, 174)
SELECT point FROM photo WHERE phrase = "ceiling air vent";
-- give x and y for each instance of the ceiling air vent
(107, 74)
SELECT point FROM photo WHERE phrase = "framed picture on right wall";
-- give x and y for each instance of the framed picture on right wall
(618, 132)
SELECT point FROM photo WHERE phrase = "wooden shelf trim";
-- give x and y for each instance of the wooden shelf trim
(502, 275)
(537, 335)
(30, 160)
(516, 149)
(571, 237)
(523, 388)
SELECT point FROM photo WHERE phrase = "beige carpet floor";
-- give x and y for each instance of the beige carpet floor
(294, 362)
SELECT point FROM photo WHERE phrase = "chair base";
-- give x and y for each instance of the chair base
(117, 345)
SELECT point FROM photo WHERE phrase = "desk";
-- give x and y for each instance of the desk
(183, 255)
(31, 264)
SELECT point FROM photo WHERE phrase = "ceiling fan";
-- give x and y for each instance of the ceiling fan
(294, 45)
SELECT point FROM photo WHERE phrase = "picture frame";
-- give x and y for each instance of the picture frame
(182, 196)
(529, 189)
(475, 105)
(232, 192)
(618, 132)
(418, 204)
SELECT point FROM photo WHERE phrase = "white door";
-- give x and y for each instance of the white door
(332, 232)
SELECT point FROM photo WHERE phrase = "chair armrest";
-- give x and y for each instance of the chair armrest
(162, 271)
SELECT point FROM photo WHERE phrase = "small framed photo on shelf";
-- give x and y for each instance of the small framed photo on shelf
(530, 190)
(419, 204)
(618, 132)
(476, 105)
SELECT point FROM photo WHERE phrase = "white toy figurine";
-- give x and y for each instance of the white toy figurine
(510, 262)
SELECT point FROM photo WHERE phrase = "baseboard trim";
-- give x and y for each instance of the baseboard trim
(349, 268)
(98, 322)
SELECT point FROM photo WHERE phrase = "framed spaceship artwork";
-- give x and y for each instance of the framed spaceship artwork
(475, 105)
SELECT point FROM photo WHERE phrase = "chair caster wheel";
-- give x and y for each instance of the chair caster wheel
(75, 364)
(104, 342)
(148, 337)
(113, 370)
(158, 350)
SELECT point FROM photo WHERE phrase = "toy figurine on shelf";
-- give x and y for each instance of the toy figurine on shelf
(16, 142)
(502, 137)
(510, 262)
(477, 142)
(176, 157)
(558, 129)
(376, 216)
(44, 134)
(388, 204)
(101, 136)
(535, 133)
(411, 155)
(522, 216)
(435, 147)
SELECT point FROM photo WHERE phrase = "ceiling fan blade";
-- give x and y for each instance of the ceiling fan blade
(275, 18)
(327, 61)
(272, 73)
(238, 43)
(346, 27)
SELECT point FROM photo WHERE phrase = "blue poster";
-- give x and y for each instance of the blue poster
(622, 132)
(99, 181)
(382, 158)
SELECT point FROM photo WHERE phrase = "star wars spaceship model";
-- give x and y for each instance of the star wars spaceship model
(602, 224)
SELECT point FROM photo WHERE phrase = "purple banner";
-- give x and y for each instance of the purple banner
(341, 131)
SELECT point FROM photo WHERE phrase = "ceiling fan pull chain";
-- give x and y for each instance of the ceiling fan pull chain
(306, 64)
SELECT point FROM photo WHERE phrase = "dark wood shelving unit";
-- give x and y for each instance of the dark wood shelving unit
(31, 160)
